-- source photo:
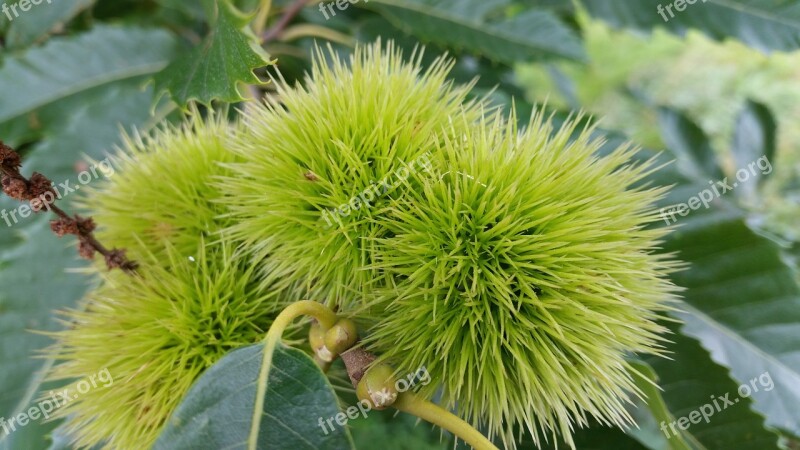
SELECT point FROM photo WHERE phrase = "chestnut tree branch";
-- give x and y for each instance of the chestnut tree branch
(38, 191)
(290, 13)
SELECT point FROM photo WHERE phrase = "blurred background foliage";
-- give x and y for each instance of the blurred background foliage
(710, 81)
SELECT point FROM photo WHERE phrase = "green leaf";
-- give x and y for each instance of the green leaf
(646, 431)
(380, 424)
(69, 66)
(38, 434)
(16, 132)
(35, 278)
(213, 69)
(765, 25)
(217, 412)
(690, 145)
(743, 304)
(693, 388)
(181, 11)
(597, 437)
(742, 301)
(34, 264)
(40, 20)
(88, 126)
(481, 27)
(28, 300)
(754, 139)
(61, 440)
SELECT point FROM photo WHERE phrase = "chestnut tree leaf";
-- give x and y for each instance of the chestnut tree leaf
(741, 299)
(34, 280)
(35, 266)
(217, 411)
(69, 66)
(690, 393)
(742, 302)
(482, 27)
(214, 69)
(63, 127)
(689, 144)
(767, 25)
(40, 20)
(754, 141)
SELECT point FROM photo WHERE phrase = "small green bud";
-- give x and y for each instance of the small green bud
(316, 336)
(378, 387)
(341, 337)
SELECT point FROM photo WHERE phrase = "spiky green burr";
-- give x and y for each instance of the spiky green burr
(192, 299)
(162, 188)
(523, 272)
(319, 168)
(155, 333)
